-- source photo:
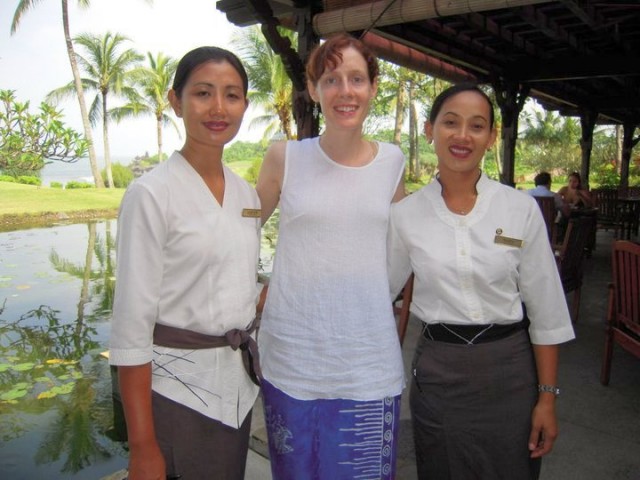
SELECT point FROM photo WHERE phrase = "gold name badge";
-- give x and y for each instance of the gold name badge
(251, 212)
(511, 242)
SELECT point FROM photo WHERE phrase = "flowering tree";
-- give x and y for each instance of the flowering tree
(29, 141)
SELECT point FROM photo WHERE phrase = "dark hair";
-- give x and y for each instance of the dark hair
(453, 91)
(328, 55)
(201, 55)
(577, 175)
(543, 178)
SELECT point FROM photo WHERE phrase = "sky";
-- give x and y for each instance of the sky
(34, 61)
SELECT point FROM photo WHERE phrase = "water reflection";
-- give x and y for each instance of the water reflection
(56, 406)
(56, 289)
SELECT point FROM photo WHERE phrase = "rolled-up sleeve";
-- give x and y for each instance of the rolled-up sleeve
(541, 289)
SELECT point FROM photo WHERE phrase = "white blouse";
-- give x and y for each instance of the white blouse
(328, 329)
(188, 262)
(478, 268)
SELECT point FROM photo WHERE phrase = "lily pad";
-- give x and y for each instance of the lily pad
(13, 394)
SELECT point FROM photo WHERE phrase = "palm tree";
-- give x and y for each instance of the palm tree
(154, 82)
(107, 70)
(271, 86)
(21, 9)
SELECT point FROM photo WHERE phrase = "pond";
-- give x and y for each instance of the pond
(57, 415)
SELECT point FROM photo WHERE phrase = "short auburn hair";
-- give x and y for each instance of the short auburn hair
(328, 55)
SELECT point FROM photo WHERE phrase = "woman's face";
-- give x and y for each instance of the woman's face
(574, 182)
(461, 132)
(212, 104)
(345, 92)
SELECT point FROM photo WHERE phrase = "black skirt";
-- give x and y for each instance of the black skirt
(471, 407)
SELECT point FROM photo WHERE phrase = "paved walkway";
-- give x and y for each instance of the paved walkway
(599, 426)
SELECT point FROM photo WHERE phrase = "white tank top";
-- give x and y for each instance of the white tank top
(328, 329)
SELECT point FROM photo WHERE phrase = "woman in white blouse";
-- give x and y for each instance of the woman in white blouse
(186, 292)
(484, 387)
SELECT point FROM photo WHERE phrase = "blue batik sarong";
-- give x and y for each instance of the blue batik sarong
(331, 439)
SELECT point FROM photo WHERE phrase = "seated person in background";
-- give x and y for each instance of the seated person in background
(574, 194)
(543, 189)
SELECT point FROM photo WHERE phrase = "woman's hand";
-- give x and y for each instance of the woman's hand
(146, 463)
(544, 426)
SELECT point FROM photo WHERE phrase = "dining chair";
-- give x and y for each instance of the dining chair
(569, 258)
(549, 213)
(401, 307)
(606, 202)
(623, 310)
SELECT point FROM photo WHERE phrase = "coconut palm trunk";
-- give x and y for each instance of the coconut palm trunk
(105, 137)
(86, 124)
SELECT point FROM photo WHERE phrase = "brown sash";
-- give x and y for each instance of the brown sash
(172, 337)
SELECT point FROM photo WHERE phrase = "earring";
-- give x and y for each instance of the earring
(316, 111)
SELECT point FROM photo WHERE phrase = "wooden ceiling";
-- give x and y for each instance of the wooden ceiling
(574, 55)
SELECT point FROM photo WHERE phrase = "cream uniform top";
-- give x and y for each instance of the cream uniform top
(186, 261)
(478, 268)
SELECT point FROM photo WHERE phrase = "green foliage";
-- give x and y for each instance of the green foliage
(78, 185)
(27, 140)
(270, 86)
(606, 176)
(549, 142)
(55, 185)
(7, 178)
(251, 174)
(243, 151)
(122, 175)
(29, 180)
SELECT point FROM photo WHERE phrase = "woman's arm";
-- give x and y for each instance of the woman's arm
(145, 458)
(269, 182)
(544, 424)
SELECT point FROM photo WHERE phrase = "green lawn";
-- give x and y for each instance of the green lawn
(18, 199)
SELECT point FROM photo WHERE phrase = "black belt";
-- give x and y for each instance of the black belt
(471, 334)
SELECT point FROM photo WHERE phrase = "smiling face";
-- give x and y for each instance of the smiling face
(461, 132)
(345, 92)
(211, 103)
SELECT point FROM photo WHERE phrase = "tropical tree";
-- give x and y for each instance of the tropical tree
(22, 8)
(107, 70)
(271, 87)
(549, 141)
(27, 140)
(151, 96)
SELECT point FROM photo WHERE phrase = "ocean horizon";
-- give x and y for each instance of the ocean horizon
(79, 171)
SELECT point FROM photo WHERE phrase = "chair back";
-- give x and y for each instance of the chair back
(623, 310)
(606, 201)
(548, 208)
(625, 261)
(572, 252)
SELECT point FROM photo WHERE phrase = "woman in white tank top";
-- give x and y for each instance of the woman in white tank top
(330, 355)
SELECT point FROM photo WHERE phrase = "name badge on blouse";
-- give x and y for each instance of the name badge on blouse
(511, 242)
(251, 212)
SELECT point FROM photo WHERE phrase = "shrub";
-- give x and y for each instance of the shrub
(77, 185)
(251, 174)
(606, 176)
(55, 185)
(7, 178)
(122, 175)
(29, 180)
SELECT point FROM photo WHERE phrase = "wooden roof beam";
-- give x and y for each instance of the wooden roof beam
(382, 13)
